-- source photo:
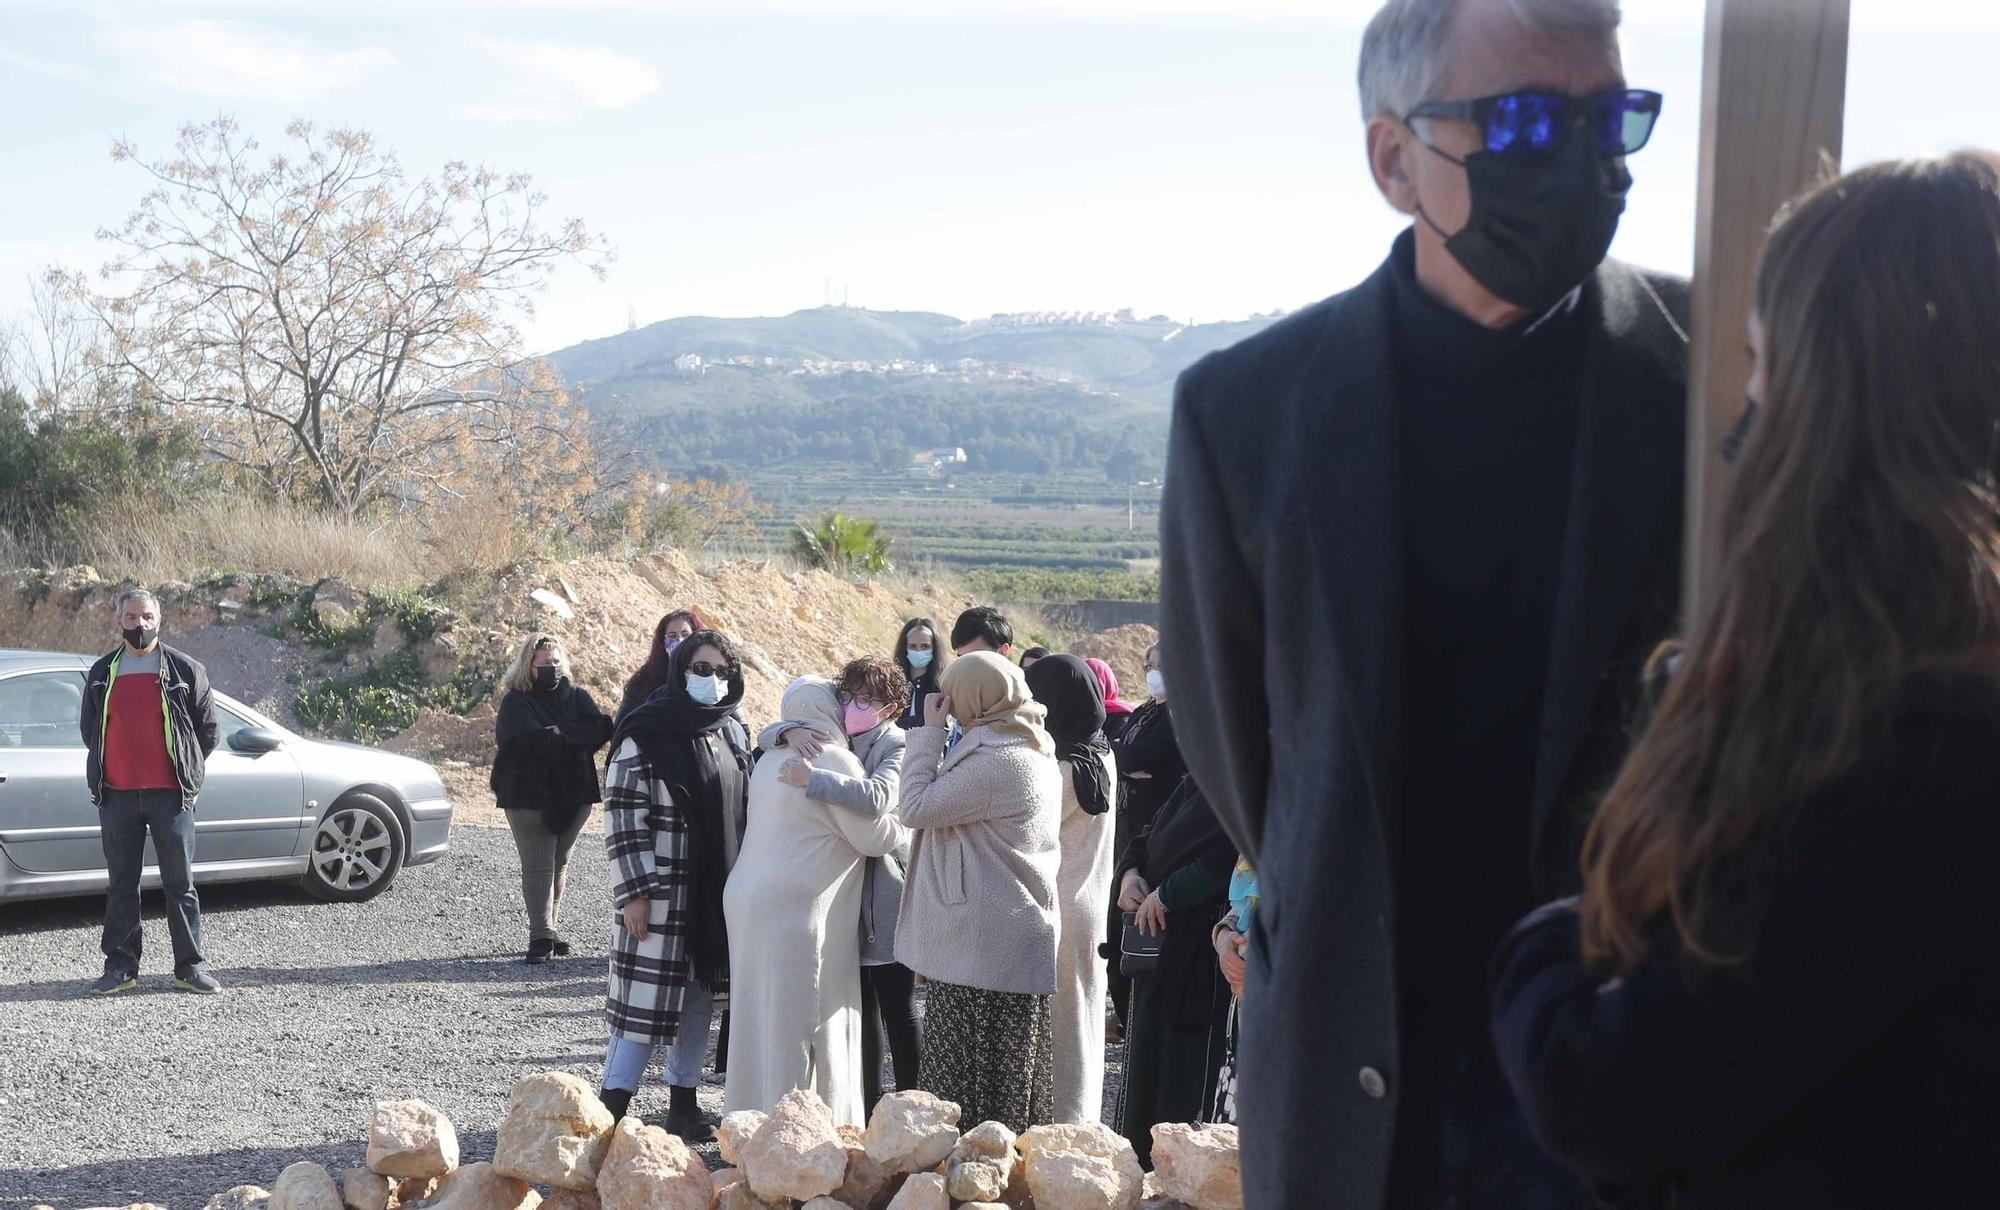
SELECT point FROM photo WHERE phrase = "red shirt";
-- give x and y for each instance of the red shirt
(135, 736)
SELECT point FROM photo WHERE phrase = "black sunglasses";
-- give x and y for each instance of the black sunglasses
(704, 668)
(1534, 124)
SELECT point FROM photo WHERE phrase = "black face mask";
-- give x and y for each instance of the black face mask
(1538, 227)
(141, 637)
(546, 678)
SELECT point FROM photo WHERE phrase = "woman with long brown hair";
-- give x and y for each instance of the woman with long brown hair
(1780, 984)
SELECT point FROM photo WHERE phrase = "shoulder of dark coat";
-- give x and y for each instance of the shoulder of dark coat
(184, 663)
(1219, 380)
(1648, 310)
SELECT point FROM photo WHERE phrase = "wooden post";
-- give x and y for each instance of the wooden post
(1773, 92)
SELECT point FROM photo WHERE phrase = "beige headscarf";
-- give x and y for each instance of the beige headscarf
(813, 703)
(990, 699)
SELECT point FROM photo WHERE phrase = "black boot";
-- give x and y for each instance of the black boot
(684, 1116)
(617, 1100)
(539, 950)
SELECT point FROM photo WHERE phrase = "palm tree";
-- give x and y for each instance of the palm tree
(842, 545)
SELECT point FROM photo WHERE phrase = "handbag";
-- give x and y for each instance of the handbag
(1138, 954)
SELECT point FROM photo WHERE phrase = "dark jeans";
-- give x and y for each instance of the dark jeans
(1462, 1144)
(889, 1002)
(124, 820)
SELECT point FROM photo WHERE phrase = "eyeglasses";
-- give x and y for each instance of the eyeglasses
(847, 699)
(1534, 124)
(704, 668)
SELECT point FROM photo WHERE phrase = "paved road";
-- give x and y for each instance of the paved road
(166, 1097)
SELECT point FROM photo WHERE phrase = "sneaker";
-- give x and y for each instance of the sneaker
(539, 950)
(110, 983)
(201, 983)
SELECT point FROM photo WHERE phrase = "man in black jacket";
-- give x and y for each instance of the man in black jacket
(148, 726)
(1444, 511)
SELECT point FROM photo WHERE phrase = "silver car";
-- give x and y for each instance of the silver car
(343, 817)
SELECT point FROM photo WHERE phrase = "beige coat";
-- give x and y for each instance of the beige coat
(1083, 894)
(794, 952)
(979, 906)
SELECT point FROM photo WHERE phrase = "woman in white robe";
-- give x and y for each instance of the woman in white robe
(1069, 691)
(793, 905)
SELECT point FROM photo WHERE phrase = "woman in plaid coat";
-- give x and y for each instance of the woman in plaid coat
(675, 797)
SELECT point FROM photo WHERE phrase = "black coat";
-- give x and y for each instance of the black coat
(1851, 1060)
(547, 744)
(189, 708)
(1145, 743)
(1280, 599)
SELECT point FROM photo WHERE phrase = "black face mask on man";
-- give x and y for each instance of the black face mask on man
(140, 637)
(1539, 225)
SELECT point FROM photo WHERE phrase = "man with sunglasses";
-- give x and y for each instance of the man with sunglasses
(1443, 509)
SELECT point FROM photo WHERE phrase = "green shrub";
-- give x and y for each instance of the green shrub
(386, 699)
(842, 545)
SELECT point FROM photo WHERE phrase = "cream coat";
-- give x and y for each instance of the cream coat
(1083, 901)
(792, 902)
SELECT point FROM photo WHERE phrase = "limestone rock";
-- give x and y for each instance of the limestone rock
(241, 1197)
(648, 1169)
(868, 1185)
(924, 1191)
(985, 1206)
(734, 1131)
(1199, 1165)
(305, 1186)
(796, 1153)
(1088, 1167)
(739, 1197)
(338, 604)
(572, 1199)
(555, 1133)
(412, 1190)
(482, 1187)
(976, 1181)
(411, 1138)
(912, 1131)
(723, 1178)
(826, 1203)
(362, 1189)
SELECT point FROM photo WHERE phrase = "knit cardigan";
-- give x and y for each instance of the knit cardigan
(979, 905)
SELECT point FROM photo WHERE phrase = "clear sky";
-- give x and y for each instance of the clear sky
(1196, 157)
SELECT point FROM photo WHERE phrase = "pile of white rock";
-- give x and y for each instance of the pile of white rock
(558, 1137)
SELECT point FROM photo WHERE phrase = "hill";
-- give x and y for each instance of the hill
(1131, 361)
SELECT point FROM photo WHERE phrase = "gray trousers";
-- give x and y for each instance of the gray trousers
(544, 867)
(123, 821)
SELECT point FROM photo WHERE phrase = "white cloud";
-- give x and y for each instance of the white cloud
(231, 59)
(546, 80)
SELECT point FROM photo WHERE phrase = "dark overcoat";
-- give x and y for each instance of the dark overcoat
(1281, 593)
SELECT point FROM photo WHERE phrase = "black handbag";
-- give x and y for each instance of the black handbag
(1138, 954)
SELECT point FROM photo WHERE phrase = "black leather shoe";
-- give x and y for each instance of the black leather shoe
(539, 950)
(561, 948)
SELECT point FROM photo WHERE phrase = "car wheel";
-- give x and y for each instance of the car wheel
(356, 851)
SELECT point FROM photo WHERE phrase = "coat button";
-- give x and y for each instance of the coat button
(1373, 1084)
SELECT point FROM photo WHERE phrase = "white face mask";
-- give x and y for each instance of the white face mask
(1156, 684)
(706, 690)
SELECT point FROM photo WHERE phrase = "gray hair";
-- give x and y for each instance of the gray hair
(133, 594)
(1403, 50)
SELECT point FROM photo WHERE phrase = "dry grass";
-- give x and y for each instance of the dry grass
(134, 539)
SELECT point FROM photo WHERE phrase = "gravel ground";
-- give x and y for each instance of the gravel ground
(161, 1096)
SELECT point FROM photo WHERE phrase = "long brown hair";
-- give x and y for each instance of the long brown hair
(1861, 543)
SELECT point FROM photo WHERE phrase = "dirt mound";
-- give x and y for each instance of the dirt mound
(1125, 650)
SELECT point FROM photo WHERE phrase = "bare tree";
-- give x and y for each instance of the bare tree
(342, 334)
(53, 355)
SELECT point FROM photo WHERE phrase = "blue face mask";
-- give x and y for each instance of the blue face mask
(920, 659)
(707, 690)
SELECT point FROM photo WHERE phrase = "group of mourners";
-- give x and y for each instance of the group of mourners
(939, 813)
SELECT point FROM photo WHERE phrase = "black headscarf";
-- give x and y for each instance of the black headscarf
(1068, 689)
(691, 748)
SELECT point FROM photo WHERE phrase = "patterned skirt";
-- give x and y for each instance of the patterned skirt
(992, 1052)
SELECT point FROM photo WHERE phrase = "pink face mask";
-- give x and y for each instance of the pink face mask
(862, 719)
